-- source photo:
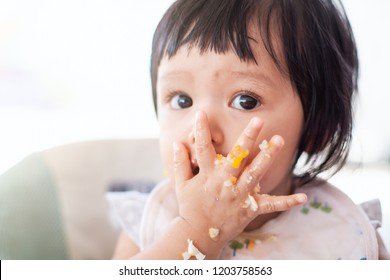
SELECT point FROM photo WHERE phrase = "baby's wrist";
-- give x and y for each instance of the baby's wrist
(203, 238)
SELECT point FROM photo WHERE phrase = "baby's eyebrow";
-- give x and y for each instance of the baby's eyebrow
(255, 75)
(174, 74)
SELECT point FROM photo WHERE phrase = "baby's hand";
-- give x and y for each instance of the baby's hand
(224, 197)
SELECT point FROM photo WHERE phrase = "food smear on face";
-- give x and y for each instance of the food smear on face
(237, 155)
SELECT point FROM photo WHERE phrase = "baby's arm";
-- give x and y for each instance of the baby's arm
(125, 247)
(213, 211)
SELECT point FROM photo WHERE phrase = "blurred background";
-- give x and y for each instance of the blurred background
(78, 70)
(74, 70)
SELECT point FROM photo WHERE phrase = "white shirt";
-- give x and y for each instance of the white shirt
(329, 226)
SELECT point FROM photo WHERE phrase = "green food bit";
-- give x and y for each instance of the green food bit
(315, 203)
(305, 210)
(326, 208)
(234, 244)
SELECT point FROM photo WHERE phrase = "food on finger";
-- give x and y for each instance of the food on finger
(264, 145)
(192, 251)
(249, 180)
(231, 182)
(213, 233)
(250, 202)
(257, 189)
(219, 160)
(265, 148)
(237, 155)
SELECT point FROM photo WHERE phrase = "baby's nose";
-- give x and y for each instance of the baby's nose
(216, 132)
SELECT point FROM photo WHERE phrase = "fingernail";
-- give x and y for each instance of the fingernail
(175, 147)
(301, 198)
(255, 122)
(278, 141)
(198, 115)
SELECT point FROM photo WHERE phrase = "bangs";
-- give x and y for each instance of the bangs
(208, 26)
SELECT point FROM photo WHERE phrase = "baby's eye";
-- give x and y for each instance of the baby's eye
(245, 102)
(181, 102)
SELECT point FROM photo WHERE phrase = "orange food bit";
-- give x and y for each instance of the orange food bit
(237, 155)
(251, 244)
(231, 182)
(219, 160)
(219, 157)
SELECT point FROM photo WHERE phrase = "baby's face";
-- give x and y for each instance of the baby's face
(231, 92)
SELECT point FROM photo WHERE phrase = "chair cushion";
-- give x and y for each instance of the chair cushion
(53, 203)
(31, 225)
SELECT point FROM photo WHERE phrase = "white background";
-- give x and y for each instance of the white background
(283, 269)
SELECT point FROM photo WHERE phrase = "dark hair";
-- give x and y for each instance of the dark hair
(317, 53)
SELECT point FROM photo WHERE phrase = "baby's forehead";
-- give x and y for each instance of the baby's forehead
(189, 55)
(190, 66)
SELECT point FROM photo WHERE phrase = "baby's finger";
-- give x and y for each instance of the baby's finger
(243, 146)
(181, 164)
(270, 204)
(250, 134)
(259, 165)
(204, 149)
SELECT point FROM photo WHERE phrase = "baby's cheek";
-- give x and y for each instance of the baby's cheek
(168, 163)
(166, 153)
(275, 176)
